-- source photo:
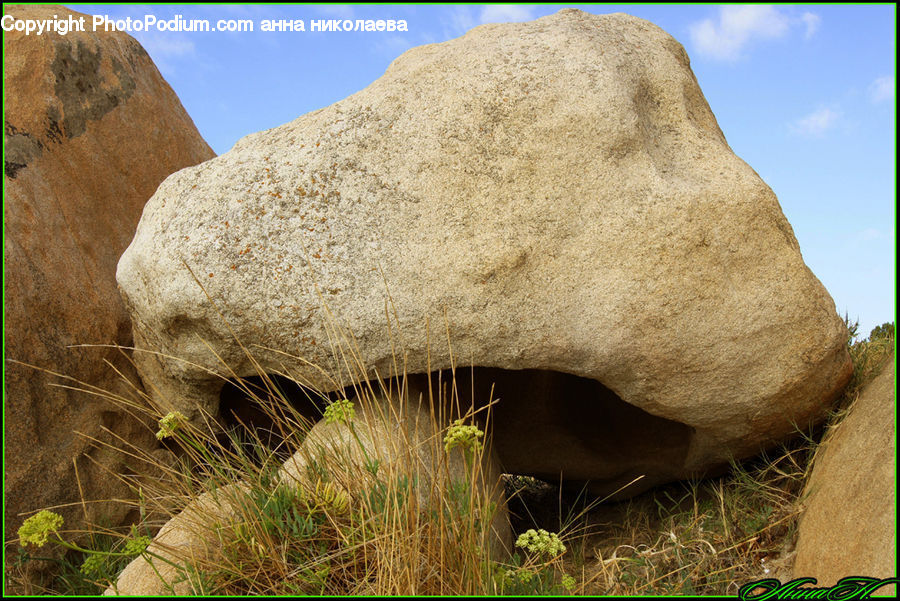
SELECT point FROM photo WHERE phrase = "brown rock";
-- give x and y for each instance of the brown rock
(848, 527)
(91, 129)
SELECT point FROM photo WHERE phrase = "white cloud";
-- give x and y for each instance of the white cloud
(812, 22)
(816, 123)
(166, 45)
(869, 237)
(458, 21)
(506, 13)
(736, 26)
(725, 37)
(870, 233)
(393, 46)
(882, 89)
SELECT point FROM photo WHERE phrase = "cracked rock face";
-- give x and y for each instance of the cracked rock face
(554, 195)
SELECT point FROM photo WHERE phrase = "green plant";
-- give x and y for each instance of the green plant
(852, 329)
(883, 332)
(537, 569)
(341, 411)
(464, 437)
(82, 570)
(540, 542)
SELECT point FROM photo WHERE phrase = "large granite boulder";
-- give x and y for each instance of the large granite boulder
(91, 129)
(552, 196)
(849, 523)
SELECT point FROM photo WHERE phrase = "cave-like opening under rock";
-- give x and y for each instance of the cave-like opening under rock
(259, 408)
(548, 424)
(564, 428)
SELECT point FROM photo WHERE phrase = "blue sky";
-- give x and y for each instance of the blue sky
(804, 93)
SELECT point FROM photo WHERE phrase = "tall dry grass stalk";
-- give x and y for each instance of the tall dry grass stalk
(371, 503)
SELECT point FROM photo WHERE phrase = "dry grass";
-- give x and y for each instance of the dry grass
(356, 519)
(364, 513)
(869, 356)
(707, 537)
(396, 521)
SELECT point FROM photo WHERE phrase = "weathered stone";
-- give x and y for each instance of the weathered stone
(91, 129)
(187, 540)
(559, 195)
(848, 527)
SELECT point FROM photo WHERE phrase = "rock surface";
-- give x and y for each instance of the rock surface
(188, 535)
(559, 195)
(849, 525)
(91, 129)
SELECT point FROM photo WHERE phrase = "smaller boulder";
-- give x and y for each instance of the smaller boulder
(187, 535)
(342, 460)
(407, 443)
(848, 527)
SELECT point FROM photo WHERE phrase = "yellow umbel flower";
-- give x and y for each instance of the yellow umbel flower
(341, 411)
(541, 542)
(460, 435)
(94, 565)
(137, 545)
(36, 529)
(169, 424)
